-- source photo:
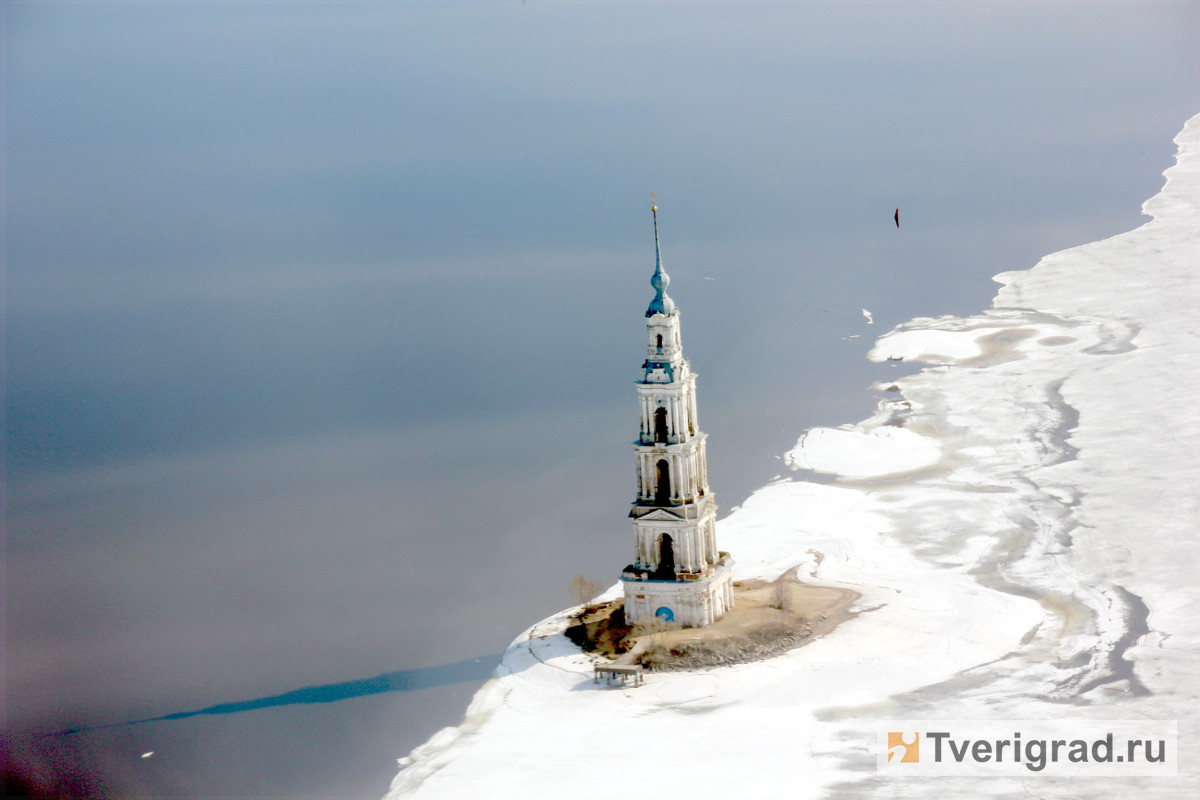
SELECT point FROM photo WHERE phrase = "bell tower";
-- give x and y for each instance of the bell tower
(678, 574)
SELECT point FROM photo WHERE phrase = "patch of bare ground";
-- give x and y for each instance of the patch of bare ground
(768, 618)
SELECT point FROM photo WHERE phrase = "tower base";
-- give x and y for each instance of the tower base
(691, 603)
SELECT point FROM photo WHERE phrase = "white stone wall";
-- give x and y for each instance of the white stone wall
(685, 465)
(693, 540)
(679, 400)
(692, 603)
(666, 326)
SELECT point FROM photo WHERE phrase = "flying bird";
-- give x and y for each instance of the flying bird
(897, 218)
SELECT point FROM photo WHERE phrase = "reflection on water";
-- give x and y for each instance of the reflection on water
(342, 749)
(405, 680)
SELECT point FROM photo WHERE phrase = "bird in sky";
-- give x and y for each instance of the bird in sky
(897, 218)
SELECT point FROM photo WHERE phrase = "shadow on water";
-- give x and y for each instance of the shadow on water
(405, 680)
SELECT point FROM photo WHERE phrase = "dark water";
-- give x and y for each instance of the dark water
(323, 321)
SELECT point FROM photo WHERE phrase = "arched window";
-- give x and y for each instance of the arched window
(660, 343)
(660, 425)
(662, 491)
(666, 558)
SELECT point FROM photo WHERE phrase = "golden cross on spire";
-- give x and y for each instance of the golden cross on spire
(653, 205)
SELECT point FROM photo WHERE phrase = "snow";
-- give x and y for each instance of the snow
(1019, 518)
(863, 453)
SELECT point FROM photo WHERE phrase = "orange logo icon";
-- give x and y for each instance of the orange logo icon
(903, 747)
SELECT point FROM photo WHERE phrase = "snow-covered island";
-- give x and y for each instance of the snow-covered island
(1019, 519)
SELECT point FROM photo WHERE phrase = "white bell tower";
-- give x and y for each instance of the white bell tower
(678, 574)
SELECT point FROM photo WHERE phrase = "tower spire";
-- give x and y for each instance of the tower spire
(661, 304)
